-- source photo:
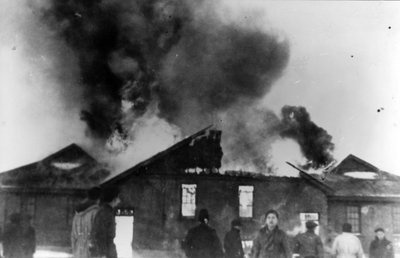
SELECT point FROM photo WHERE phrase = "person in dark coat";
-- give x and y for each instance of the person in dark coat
(271, 242)
(381, 247)
(19, 237)
(202, 241)
(233, 242)
(103, 229)
(309, 244)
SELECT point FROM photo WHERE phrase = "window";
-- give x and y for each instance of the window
(188, 200)
(246, 201)
(353, 217)
(396, 219)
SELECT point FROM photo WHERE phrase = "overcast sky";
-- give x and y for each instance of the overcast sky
(344, 68)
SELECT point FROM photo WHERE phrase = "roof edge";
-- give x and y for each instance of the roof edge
(157, 156)
(313, 181)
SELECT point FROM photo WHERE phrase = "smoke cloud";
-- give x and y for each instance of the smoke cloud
(163, 51)
(178, 64)
(315, 143)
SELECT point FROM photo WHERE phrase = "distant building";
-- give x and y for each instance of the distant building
(48, 190)
(364, 196)
(161, 196)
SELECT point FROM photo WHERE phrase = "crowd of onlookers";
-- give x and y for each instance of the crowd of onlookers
(271, 242)
(93, 232)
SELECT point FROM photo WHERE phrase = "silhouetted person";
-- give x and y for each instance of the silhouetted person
(309, 244)
(85, 212)
(347, 245)
(233, 242)
(271, 242)
(381, 247)
(202, 241)
(19, 237)
(103, 230)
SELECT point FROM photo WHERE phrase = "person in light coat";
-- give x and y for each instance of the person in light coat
(347, 245)
(85, 212)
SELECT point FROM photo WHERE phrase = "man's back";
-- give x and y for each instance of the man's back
(233, 244)
(81, 238)
(309, 244)
(202, 242)
(103, 232)
(346, 245)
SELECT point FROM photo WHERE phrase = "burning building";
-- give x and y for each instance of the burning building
(161, 196)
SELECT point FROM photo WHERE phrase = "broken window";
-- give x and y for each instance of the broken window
(246, 201)
(396, 219)
(188, 200)
(353, 217)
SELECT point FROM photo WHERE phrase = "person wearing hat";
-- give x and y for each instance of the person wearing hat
(309, 244)
(271, 242)
(381, 247)
(202, 241)
(233, 242)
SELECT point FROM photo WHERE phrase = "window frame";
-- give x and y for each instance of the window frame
(358, 219)
(252, 201)
(182, 197)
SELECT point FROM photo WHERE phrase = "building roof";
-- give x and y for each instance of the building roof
(68, 168)
(201, 149)
(355, 178)
(197, 155)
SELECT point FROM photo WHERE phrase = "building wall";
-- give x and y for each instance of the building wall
(372, 215)
(157, 204)
(51, 214)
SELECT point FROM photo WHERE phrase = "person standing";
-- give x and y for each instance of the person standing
(380, 247)
(347, 245)
(309, 244)
(271, 242)
(85, 212)
(103, 230)
(202, 241)
(233, 242)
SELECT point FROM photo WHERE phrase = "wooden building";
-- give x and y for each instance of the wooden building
(161, 196)
(48, 190)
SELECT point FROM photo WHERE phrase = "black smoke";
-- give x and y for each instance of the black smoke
(315, 142)
(161, 51)
(181, 58)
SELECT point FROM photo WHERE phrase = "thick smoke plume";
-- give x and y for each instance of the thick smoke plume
(171, 52)
(254, 131)
(315, 142)
(177, 60)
